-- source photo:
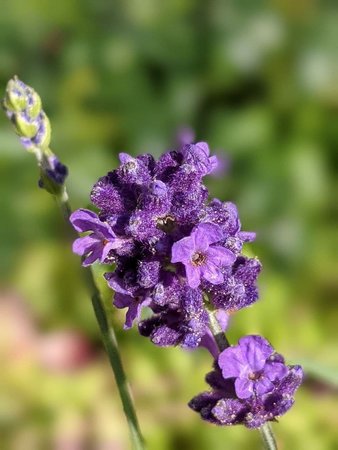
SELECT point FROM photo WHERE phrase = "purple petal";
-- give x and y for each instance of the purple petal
(182, 250)
(213, 162)
(83, 220)
(106, 249)
(122, 300)
(255, 350)
(115, 282)
(211, 273)
(263, 385)
(208, 341)
(244, 387)
(193, 275)
(95, 254)
(202, 149)
(275, 371)
(221, 256)
(84, 244)
(135, 311)
(132, 313)
(247, 236)
(125, 158)
(207, 233)
(231, 362)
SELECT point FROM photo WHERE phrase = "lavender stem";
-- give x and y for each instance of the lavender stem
(110, 342)
(222, 342)
(220, 337)
(268, 437)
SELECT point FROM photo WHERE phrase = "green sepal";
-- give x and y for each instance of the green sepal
(47, 135)
(16, 98)
(24, 128)
(34, 110)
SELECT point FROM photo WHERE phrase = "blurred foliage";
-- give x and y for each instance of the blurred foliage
(258, 81)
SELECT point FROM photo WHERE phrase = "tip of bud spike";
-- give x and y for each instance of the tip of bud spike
(24, 108)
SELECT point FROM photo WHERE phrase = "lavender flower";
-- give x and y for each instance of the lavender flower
(250, 385)
(251, 365)
(156, 224)
(201, 258)
(98, 244)
(180, 256)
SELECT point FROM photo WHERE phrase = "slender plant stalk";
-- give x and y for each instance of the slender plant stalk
(268, 437)
(110, 342)
(220, 337)
(266, 432)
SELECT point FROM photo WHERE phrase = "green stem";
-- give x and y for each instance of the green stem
(220, 338)
(222, 343)
(110, 342)
(268, 437)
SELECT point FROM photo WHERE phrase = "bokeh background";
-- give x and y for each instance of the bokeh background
(259, 82)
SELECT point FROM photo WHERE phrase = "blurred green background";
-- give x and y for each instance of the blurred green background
(259, 82)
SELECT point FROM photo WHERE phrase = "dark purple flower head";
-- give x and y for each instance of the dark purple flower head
(101, 240)
(183, 326)
(112, 197)
(229, 403)
(188, 195)
(148, 272)
(251, 365)
(201, 258)
(143, 227)
(155, 201)
(168, 292)
(239, 288)
(133, 170)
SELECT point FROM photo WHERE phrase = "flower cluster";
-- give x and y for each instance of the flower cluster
(180, 255)
(250, 385)
(23, 107)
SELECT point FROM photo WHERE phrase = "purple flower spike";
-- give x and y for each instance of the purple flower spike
(202, 259)
(101, 240)
(250, 364)
(225, 405)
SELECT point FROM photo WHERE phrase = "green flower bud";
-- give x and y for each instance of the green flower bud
(23, 107)
(16, 97)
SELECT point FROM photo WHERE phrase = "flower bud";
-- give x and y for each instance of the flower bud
(23, 107)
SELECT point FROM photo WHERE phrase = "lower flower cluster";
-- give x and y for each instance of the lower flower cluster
(179, 254)
(250, 385)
